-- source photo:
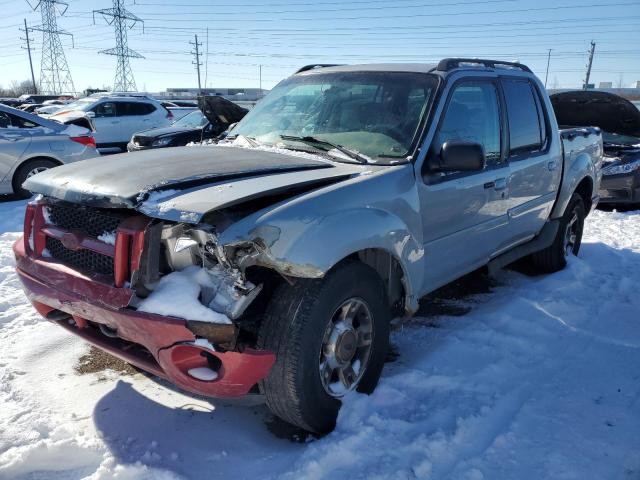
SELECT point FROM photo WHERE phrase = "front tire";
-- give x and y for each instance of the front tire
(28, 169)
(330, 336)
(567, 241)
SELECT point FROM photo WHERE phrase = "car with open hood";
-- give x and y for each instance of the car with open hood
(619, 120)
(192, 128)
(271, 264)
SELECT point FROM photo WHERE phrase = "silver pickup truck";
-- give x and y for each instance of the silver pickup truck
(271, 264)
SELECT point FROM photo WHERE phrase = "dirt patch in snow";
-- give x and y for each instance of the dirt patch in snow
(97, 361)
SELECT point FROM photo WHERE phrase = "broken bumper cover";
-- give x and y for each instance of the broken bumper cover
(163, 346)
(623, 188)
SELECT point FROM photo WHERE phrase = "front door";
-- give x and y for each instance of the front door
(465, 213)
(107, 123)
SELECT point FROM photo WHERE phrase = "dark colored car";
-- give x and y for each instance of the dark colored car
(193, 127)
(619, 120)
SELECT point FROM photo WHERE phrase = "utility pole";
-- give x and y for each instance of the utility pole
(206, 61)
(26, 34)
(119, 17)
(547, 74)
(55, 77)
(592, 50)
(197, 61)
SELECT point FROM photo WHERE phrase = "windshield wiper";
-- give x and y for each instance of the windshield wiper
(318, 141)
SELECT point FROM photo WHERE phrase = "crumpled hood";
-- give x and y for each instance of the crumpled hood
(194, 179)
(608, 111)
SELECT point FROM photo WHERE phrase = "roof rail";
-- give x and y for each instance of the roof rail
(316, 65)
(448, 64)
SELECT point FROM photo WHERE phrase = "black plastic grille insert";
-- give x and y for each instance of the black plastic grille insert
(84, 260)
(91, 221)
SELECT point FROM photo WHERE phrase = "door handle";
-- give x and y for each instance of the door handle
(552, 165)
(500, 184)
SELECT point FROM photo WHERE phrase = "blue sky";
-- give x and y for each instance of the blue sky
(281, 36)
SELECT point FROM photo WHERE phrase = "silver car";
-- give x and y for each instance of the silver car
(30, 144)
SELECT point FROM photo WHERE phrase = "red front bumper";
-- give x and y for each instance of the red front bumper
(160, 345)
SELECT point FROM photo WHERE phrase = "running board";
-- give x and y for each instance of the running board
(543, 240)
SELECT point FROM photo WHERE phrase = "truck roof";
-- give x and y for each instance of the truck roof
(445, 65)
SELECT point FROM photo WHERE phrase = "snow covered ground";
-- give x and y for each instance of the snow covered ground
(537, 379)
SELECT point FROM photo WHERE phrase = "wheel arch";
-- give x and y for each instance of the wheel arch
(24, 161)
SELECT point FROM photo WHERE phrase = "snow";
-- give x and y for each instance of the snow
(177, 295)
(108, 237)
(538, 380)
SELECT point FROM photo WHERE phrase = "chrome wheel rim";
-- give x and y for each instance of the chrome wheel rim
(35, 171)
(346, 347)
(571, 235)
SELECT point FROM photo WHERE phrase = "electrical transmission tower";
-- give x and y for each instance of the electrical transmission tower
(55, 77)
(121, 19)
(196, 53)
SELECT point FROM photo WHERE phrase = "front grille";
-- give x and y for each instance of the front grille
(84, 260)
(91, 221)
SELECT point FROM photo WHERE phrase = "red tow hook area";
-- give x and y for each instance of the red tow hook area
(236, 372)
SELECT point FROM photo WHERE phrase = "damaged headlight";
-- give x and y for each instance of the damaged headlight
(228, 291)
(621, 168)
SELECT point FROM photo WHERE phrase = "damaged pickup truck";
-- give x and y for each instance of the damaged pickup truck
(272, 263)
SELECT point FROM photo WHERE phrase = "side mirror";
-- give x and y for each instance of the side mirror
(90, 114)
(459, 156)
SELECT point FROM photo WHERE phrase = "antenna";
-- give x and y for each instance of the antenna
(55, 77)
(119, 17)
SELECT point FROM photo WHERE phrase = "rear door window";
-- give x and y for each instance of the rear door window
(526, 132)
(134, 109)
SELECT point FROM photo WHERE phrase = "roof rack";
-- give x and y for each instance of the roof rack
(313, 66)
(449, 64)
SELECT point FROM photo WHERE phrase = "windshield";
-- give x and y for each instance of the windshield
(615, 139)
(376, 114)
(192, 120)
(84, 104)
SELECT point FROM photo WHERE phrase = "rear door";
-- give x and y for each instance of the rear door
(535, 171)
(136, 116)
(465, 213)
(14, 141)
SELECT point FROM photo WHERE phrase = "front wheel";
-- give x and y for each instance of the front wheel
(27, 170)
(567, 241)
(330, 336)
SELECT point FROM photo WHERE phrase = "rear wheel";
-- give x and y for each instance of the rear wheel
(29, 169)
(330, 336)
(567, 241)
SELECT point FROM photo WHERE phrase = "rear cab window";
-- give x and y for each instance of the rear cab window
(526, 120)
